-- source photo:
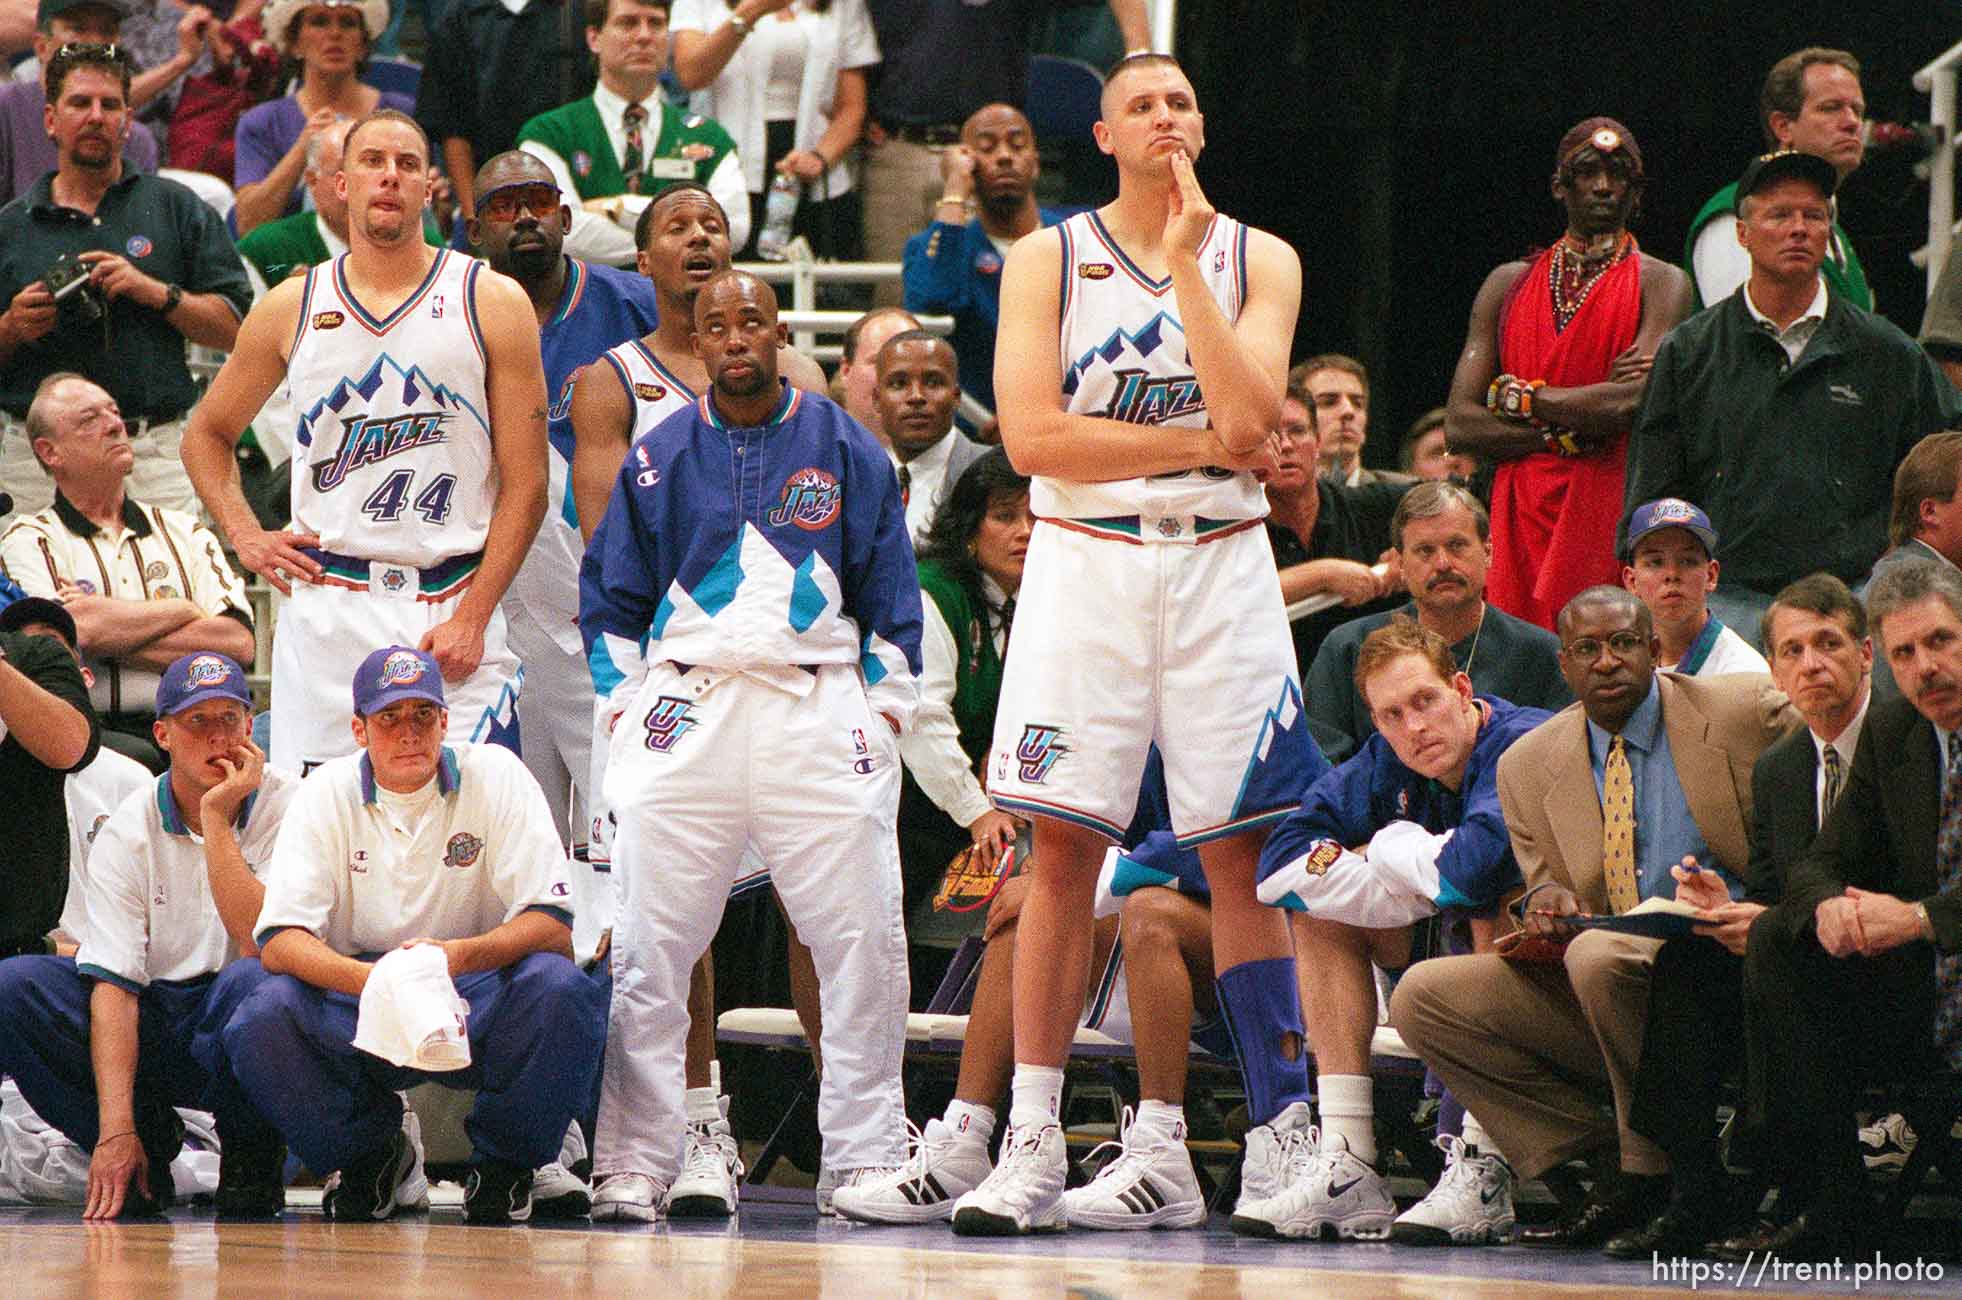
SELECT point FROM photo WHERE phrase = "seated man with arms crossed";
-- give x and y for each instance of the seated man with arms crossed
(413, 842)
(1422, 799)
(102, 1044)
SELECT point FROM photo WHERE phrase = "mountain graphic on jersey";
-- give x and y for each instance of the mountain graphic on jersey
(397, 409)
(1138, 396)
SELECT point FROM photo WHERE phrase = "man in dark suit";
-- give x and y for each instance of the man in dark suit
(1925, 522)
(1816, 634)
(917, 388)
(1601, 802)
(1859, 969)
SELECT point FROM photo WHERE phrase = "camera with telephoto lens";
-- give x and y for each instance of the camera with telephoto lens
(68, 281)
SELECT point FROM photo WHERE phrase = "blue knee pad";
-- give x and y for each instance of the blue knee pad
(1260, 1004)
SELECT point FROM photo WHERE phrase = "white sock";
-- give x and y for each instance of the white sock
(1036, 1095)
(1349, 1112)
(969, 1122)
(701, 1105)
(1160, 1120)
(1475, 1137)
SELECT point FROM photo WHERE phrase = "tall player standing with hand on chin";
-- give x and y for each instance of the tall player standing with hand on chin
(1138, 379)
(419, 461)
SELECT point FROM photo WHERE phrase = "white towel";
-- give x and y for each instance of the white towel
(411, 1014)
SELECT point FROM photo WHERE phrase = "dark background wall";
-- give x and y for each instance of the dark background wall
(1405, 149)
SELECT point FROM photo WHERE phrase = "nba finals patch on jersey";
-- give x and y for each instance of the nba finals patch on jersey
(1095, 270)
(328, 320)
(650, 392)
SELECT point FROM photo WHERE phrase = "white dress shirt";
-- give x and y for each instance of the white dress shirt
(926, 485)
(1795, 336)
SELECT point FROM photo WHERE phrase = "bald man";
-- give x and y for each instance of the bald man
(760, 649)
(954, 265)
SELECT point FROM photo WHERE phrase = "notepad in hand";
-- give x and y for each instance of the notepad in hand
(1654, 918)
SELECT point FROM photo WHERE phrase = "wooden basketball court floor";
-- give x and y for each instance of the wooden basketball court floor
(785, 1250)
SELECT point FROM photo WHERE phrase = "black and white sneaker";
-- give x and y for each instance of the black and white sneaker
(941, 1167)
(497, 1193)
(374, 1185)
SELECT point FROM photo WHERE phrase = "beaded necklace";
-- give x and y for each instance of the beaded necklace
(1572, 275)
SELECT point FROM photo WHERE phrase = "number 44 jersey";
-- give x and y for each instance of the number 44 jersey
(393, 450)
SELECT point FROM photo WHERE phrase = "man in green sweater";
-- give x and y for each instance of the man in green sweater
(1811, 102)
(620, 146)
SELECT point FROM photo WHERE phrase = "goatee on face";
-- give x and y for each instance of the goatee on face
(532, 262)
(743, 385)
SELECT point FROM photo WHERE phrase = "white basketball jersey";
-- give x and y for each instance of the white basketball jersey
(1123, 355)
(655, 391)
(392, 455)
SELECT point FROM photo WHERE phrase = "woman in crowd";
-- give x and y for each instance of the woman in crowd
(786, 78)
(970, 570)
(329, 40)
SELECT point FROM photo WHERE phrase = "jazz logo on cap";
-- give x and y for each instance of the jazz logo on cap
(209, 670)
(400, 669)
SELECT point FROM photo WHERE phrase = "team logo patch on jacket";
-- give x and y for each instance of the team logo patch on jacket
(811, 500)
(1321, 858)
(463, 851)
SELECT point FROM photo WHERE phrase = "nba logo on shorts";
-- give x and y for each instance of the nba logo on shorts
(1039, 751)
(668, 721)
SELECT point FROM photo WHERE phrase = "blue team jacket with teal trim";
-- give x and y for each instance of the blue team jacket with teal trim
(759, 548)
(1362, 796)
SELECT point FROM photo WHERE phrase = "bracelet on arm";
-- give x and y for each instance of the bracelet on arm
(126, 1133)
(741, 24)
(173, 299)
(1927, 925)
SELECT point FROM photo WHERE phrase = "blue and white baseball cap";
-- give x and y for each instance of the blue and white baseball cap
(394, 673)
(1669, 512)
(200, 676)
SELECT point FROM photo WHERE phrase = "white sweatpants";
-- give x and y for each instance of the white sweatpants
(700, 766)
(557, 733)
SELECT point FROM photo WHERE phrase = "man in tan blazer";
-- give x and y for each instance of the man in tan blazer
(1542, 1054)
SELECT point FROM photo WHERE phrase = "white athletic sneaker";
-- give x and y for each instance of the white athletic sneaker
(1470, 1206)
(558, 1193)
(633, 1197)
(941, 1167)
(1150, 1185)
(710, 1170)
(1887, 1143)
(1328, 1188)
(413, 1194)
(1025, 1191)
(828, 1183)
(1263, 1170)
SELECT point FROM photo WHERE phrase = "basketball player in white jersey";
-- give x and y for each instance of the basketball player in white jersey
(419, 459)
(1138, 377)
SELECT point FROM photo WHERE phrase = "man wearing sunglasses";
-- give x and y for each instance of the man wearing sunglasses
(1645, 770)
(25, 149)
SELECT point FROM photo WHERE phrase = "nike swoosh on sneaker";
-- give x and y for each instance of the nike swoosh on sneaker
(1334, 1191)
(1489, 1196)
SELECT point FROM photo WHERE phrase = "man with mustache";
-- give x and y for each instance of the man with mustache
(1601, 802)
(916, 388)
(1554, 363)
(160, 269)
(1669, 564)
(1862, 957)
(1444, 539)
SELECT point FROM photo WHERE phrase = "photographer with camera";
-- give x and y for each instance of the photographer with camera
(159, 266)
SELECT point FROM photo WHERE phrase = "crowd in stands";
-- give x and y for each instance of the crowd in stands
(1661, 609)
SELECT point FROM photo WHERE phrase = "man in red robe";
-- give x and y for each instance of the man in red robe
(1555, 360)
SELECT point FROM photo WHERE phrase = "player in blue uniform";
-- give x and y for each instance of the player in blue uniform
(582, 311)
(753, 614)
(1408, 828)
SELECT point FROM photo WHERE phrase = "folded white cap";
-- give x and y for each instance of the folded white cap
(411, 1014)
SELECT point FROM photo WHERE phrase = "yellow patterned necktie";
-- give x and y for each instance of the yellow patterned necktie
(1618, 830)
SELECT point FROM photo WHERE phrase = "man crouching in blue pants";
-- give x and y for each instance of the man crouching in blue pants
(416, 842)
(102, 1045)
